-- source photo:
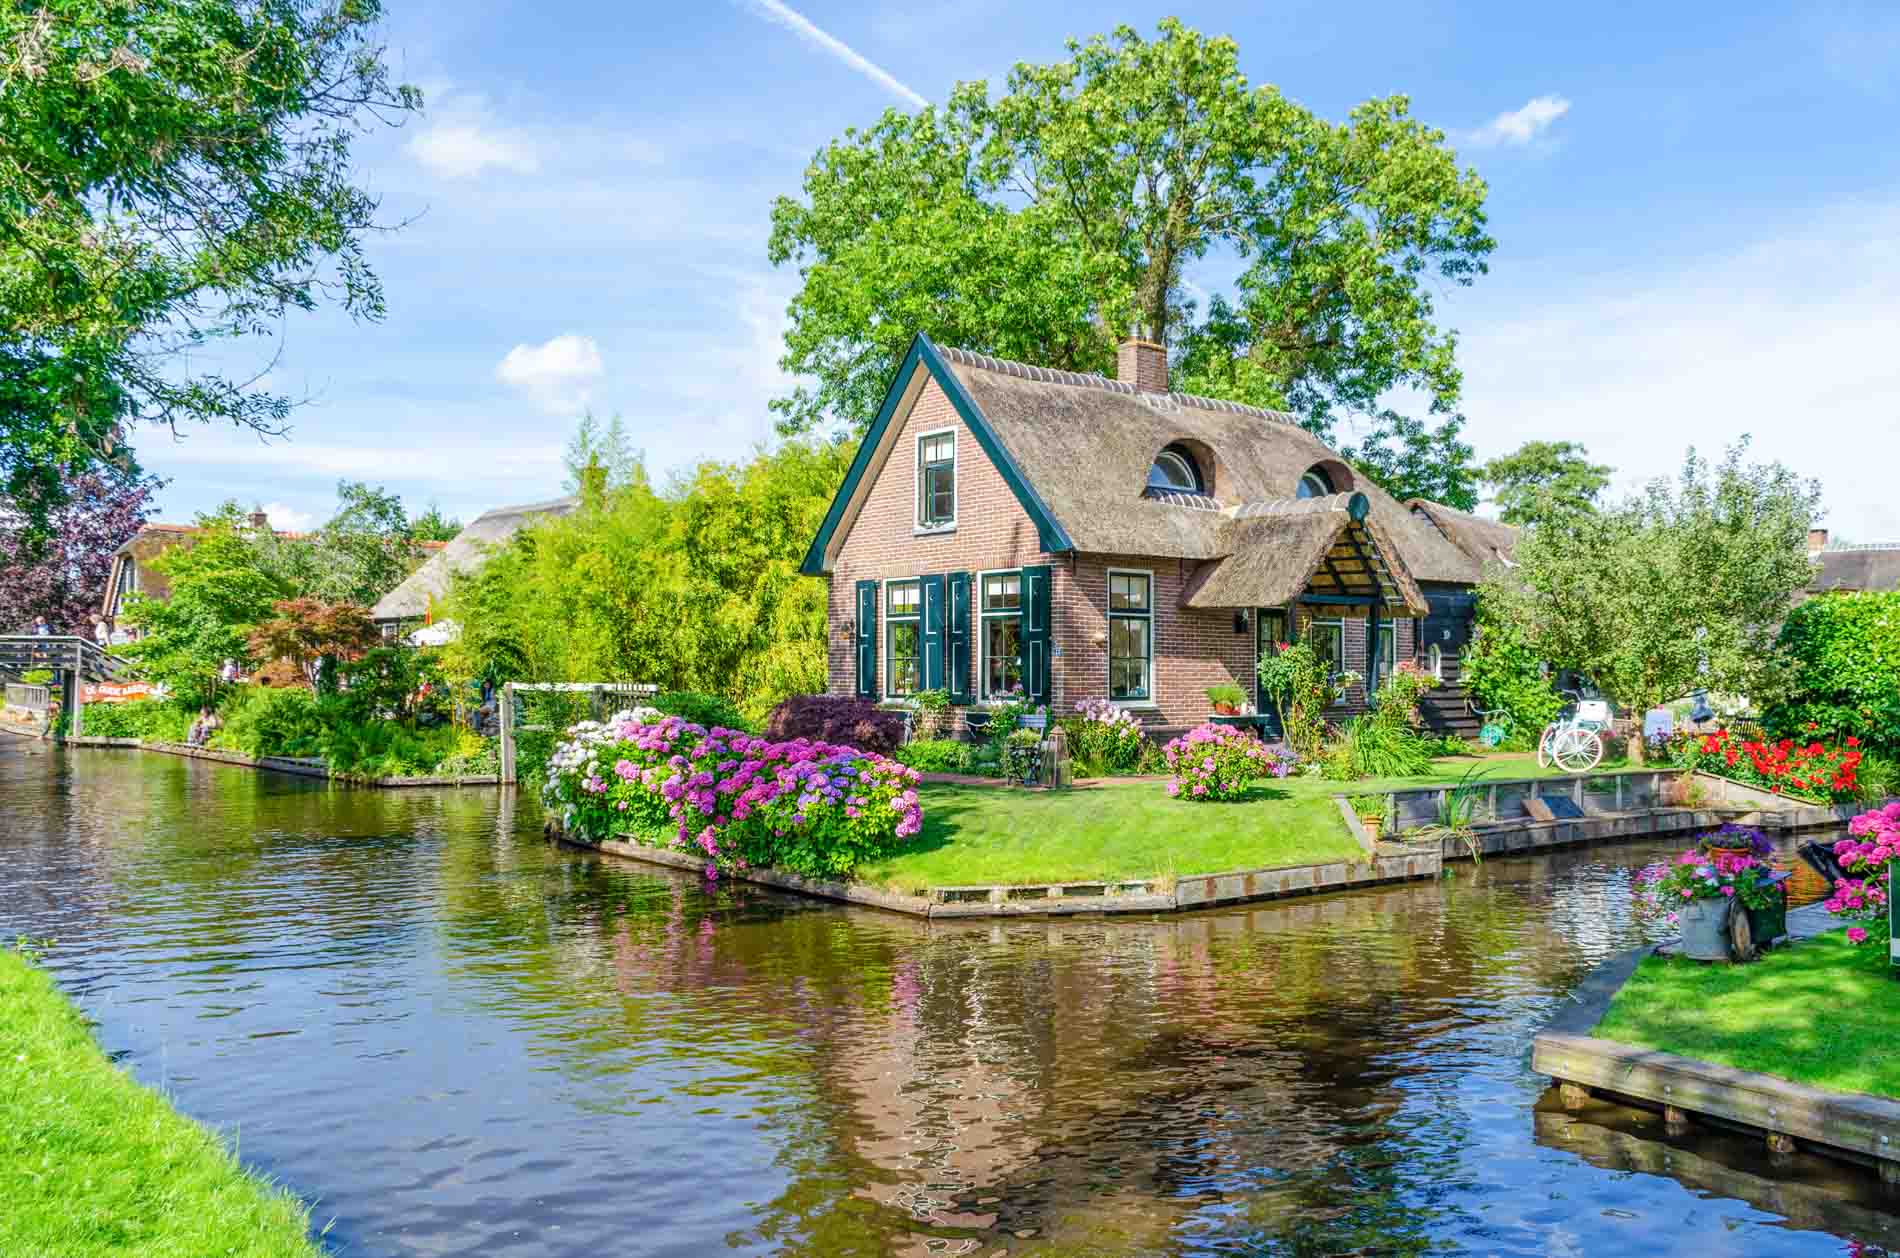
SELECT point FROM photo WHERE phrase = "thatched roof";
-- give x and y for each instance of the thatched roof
(1482, 541)
(1866, 567)
(467, 551)
(1274, 552)
(1086, 443)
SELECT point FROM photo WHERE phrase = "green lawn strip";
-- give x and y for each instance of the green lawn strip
(93, 1163)
(976, 835)
(1821, 1012)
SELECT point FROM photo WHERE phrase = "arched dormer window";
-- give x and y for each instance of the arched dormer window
(1176, 470)
(1316, 483)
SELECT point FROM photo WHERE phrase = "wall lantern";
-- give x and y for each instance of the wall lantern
(1099, 638)
(1240, 620)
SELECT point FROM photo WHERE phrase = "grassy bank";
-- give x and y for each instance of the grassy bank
(1126, 830)
(1821, 1012)
(93, 1163)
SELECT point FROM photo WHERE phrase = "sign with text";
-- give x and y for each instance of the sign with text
(117, 691)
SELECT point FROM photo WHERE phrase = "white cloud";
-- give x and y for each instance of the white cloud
(803, 27)
(558, 375)
(1789, 339)
(462, 149)
(287, 519)
(1519, 126)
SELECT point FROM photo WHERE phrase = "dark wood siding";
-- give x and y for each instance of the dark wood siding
(1448, 624)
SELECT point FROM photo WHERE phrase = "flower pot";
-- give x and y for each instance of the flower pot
(1373, 825)
(1770, 923)
(1704, 928)
(1225, 709)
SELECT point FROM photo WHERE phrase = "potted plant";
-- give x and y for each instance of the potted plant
(1736, 840)
(1226, 699)
(1370, 809)
(1699, 890)
(1022, 756)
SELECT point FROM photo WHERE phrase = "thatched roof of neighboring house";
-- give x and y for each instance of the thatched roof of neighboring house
(467, 551)
(1275, 552)
(1086, 443)
(1482, 541)
(1850, 567)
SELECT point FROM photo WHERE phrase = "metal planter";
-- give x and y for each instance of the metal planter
(1704, 929)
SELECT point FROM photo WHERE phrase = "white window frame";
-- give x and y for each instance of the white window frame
(1314, 625)
(1435, 661)
(1386, 669)
(884, 614)
(982, 636)
(1110, 615)
(918, 527)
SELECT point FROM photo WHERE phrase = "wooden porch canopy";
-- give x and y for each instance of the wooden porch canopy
(25, 653)
(1320, 550)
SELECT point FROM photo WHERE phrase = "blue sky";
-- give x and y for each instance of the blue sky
(1697, 210)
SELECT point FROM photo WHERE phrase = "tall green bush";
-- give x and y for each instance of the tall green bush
(1845, 655)
(1502, 671)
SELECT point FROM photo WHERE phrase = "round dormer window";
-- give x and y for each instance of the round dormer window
(1316, 483)
(1175, 470)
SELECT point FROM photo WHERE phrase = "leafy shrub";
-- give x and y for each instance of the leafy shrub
(157, 719)
(934, 755)
(1370, 748)
(1502, 672)
(473, 756)
(1227, 695)
(268, 721)
(1845, 650)
(1215, 762)
(933, 712)
(1302, 686)
(697, 708)
(1103, 738)
(1879, 777)
(813, 808)
(839, 719)
(386, 749)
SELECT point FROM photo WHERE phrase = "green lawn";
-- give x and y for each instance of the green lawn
(1821, 1012)
(978, 834)
(93, 1163)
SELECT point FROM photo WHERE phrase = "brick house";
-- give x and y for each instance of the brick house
(1006, 526)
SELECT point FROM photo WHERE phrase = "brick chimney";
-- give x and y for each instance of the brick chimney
(1143, 364)
(260, 521)
(1817, 541)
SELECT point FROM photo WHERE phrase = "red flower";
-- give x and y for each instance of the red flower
(1852, 741)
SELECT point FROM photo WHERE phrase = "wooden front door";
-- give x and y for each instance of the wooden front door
(1269, 631)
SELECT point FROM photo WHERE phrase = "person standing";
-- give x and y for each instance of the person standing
(40, 628)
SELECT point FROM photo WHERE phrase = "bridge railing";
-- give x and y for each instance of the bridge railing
(35, 699)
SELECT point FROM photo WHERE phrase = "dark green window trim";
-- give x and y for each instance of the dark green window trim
(1050, 534)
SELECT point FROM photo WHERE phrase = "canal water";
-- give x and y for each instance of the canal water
(454, 1038)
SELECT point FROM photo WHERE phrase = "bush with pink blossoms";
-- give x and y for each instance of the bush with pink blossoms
(737, 799)
(1217, 762)
(1697, 874)
(1866, 856)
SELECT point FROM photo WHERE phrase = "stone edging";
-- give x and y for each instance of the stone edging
(1849, 1125)
(1060, 899)
(279, 764)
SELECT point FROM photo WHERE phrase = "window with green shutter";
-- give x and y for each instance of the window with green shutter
(1038, 640)
(1000, 608)
(903, 638)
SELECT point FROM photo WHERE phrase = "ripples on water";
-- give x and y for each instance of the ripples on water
(457, 1039)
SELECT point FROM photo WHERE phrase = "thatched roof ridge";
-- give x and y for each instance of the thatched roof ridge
(1874, 568)
(1291, 506)
(1274, 555)
(1483, 541)
(1086, 444)
(468, 551)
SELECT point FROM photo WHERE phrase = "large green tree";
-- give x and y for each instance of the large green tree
(1682, 587)
(1047, 223)
(361, 552)
(172, 173)
(1545, 481)
(220, 592)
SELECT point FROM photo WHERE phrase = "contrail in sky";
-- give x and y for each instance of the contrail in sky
(800, 25)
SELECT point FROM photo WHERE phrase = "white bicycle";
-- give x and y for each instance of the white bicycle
(1574, 743)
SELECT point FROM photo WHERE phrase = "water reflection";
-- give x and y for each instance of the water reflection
(463, 1040)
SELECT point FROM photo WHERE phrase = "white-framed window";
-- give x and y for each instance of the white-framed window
(1000, 639)
(937, 480)
(1435, 661)
(1388, 646)
(1131, 636)
(1328, 638)
(903, 638)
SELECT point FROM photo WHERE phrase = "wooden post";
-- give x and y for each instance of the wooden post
(1576, 794)
(1619, 792)
(506, 713)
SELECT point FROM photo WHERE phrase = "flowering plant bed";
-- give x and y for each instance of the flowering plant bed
(1814, 771)
(740, 800)
(1862, 895)
(1706, 875)
(1218, 762)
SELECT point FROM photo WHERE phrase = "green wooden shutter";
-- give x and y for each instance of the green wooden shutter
(1036, 638)
(867, 640)
(933, 625)
(957, 638)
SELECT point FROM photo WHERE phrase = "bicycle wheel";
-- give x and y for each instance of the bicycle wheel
(1579, 751)
(1544, 742)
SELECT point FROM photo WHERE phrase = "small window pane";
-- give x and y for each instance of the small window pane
(1172, 471)
(1127, 593)
(903, 597)
(939, 449)
(1003, 592)
(904, 658)
(1002, 654)
(1315, 484)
